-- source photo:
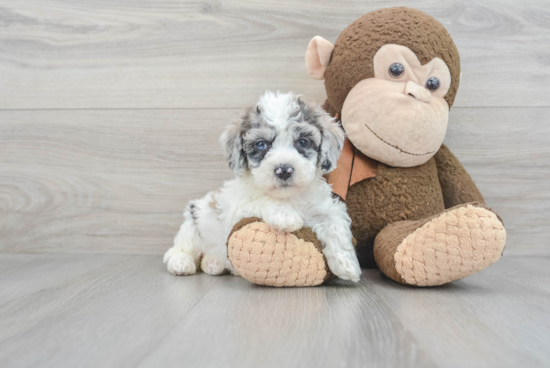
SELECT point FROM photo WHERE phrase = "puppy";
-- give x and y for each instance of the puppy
(278, 150)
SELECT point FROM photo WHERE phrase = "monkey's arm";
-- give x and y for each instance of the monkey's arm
(456, 184)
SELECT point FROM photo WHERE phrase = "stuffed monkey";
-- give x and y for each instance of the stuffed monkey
(391, 78)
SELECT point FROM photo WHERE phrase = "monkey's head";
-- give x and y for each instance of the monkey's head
(392, 75)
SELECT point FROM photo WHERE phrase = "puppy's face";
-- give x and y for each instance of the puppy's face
(284, 143)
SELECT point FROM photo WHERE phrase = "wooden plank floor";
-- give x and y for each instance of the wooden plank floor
(127, 311)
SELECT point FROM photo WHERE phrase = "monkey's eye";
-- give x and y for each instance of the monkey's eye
(261, 145)
(302, 143)
(396, 70)
(432, 84)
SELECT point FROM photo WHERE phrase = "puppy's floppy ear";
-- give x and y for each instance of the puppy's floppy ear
(333, 141)
(231, 141)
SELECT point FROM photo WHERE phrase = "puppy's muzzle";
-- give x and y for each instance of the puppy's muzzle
(284, 172)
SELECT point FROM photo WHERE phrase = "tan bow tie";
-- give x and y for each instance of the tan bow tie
(352, 167)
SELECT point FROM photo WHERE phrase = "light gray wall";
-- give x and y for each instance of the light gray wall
(110, 111)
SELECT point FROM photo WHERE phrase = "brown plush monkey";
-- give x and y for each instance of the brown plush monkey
(391, 77)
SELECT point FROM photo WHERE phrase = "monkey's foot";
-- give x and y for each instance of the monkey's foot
(264, 256)
(446, 247)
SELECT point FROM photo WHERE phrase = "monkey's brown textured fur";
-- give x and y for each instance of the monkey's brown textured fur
(413, 193)
(455, 192)
(396, 194)
(352, 58)
(410, 206)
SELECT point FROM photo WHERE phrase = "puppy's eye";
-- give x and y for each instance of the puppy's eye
(432, 84)
(261, 145)
(396, 70)
(302, 143)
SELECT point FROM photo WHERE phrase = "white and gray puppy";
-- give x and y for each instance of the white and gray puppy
(278, 150)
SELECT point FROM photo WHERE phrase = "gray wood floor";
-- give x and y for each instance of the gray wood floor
(127, 311)
(110, 112)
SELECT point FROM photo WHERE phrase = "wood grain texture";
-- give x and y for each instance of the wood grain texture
(127, 311)
(104, 181)
(96, 306)
(507, 153)
(116, 181)
(212, 54)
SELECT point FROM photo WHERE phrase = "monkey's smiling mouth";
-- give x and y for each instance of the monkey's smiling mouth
(397, 148)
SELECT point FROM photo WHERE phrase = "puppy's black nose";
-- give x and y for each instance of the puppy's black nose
(284, 172)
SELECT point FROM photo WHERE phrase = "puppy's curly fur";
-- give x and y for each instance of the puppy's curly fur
(278, 150)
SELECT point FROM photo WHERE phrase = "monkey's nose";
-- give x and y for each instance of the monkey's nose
(418, 92)
(284, 172)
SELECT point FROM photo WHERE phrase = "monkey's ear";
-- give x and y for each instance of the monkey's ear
(318, 54)
(231, 141)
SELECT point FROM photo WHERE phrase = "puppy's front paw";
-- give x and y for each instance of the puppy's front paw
(212, 264)
(181, 264)
(286, 221)
(344, 264)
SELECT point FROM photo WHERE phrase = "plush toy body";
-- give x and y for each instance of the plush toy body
(425, 225)
(391, 78)
(266, 257)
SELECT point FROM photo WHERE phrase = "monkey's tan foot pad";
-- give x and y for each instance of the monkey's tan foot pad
(264, 256)
(450, 246)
